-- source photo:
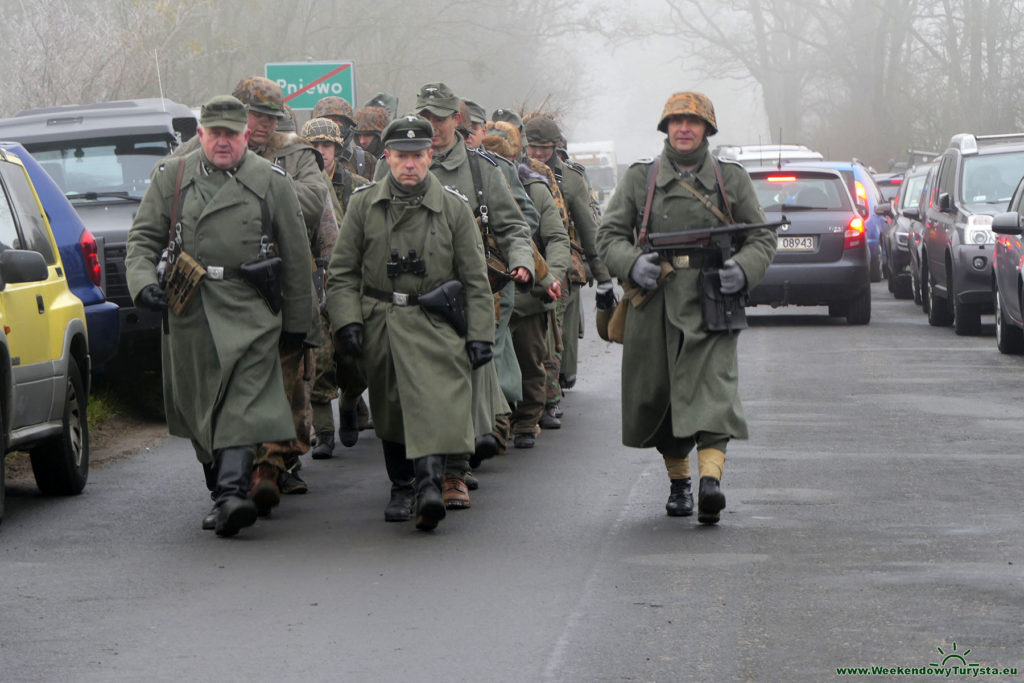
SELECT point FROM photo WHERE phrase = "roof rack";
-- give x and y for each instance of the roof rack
(968, 143)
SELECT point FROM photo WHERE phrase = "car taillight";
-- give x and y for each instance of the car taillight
(862, 194)
(854, 235)
(87, 243)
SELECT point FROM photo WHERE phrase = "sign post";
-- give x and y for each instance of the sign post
(306, 83)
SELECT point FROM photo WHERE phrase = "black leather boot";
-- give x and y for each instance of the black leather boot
(348, 417)
(429, 504)
(210, 471)
(402, 475)
(680, 499)
(710, 501)
(324, 448)
(234, 474)
(485, 447)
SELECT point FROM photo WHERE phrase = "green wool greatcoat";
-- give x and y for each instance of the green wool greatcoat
(416, 365)
(671, 366)
(222, 377)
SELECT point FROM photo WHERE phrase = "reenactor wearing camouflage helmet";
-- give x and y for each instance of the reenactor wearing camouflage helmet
(325, 136)
(542, 136)
(680, 380)
(353, 157)
(455, 166)
(370, 123)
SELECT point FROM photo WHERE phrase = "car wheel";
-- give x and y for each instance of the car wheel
(902, 287)
(966, 318)
(1009, 337)
(61, 463)
(858, 311)
(915, 289)
(938, 312)
(887, 274)
(876, 266)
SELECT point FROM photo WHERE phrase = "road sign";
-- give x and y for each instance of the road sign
(306, 83)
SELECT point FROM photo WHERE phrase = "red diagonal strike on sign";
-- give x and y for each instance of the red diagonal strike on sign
(317, 82)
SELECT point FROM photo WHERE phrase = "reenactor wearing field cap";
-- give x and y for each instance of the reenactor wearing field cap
(386, 100)
(325, 136)
(408, 247)
(456, 166)
(477, 124)
(353, 157)
(680, 381)
(223, 385)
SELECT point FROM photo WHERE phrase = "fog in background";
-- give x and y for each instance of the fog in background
(864, 78)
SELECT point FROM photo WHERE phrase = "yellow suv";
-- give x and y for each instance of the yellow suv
(44, 348)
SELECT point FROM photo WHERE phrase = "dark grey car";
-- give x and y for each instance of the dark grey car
(822, 258)
(898, 240)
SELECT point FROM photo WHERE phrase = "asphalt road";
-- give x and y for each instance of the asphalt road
(873, 519)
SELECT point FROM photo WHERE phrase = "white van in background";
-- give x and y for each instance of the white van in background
(754, 156)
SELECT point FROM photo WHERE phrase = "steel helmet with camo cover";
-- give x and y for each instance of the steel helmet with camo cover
(322, 130)
(334, 106)
(262, 95)
(689, 104)
(371, 120)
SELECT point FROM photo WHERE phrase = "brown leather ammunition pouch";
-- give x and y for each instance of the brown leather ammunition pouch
(183, 282)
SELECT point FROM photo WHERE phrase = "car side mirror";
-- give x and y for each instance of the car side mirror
(22, 265)
(884, 209)
(1007, 223)
(945, 205)
(912, 213)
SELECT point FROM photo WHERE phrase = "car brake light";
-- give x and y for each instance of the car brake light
(854, 235)
(862, 195)
(781, 179)
(87, 243)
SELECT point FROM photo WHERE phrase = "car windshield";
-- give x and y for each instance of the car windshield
(102, 168)
(989, 180)
(794, 191)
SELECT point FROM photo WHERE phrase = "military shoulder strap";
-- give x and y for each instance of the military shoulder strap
(478, 187)
(178, 201)
(346, 186)
(361, 160)
(652, 176)
(721, 190)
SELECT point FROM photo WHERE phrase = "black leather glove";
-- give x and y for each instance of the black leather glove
(291, 340)
(349, 340)
(605, 297)
(479, 353)
(153, 298)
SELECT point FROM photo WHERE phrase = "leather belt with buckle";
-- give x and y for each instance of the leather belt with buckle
(681, 261)
(396, 298)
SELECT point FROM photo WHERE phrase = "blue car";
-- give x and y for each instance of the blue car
(866, 194)
(78, 252)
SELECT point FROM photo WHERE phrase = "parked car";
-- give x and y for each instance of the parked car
(44, 345)
(79, 254)
(865, 193)
(976, 178)
(896, 268)
(1007, 284)
(915, 232)
(755, 156)
(101, 155)
(822, 258)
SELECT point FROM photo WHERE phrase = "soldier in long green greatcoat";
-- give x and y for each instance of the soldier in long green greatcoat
(401, 238)
(680, 382)
(223, 386)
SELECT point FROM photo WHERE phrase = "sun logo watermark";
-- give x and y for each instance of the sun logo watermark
(953, 655)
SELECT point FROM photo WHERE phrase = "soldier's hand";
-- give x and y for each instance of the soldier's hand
(605, 296)
(646, 270)
(554, 292)
(479, 353)
(521, 275)
(349, 340)
(732, 276)
(153, 298)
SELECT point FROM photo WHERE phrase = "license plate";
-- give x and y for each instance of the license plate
(806, 243)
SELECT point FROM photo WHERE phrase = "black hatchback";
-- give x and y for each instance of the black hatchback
(822, 258)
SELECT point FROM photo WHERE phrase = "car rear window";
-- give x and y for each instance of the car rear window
(102, 165)
(800, 191)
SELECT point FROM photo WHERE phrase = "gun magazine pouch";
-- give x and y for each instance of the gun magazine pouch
(183, 282)
(722, 312)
